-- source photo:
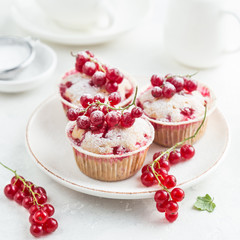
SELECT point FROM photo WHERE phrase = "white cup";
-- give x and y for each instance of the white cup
(74, 14)
(194, 32)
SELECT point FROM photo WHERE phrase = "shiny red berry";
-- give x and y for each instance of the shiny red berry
(171, 207)
(89, 68)
(112, 118)
(81, 58)
(170, 181)
(161, 196)
(157, 92)
(114, 98)
(41, 199)
(40, 190)
(177, 82)
(97, 118)
(19, 196)
(83, 122)
(99, 78)
(17, 181)
(127, 120)
(190, 85)
(148, 179)
(177, 194)
(36, 230)
(136, 112)
(161, 206)
(72, 114)
(168, 90)
(156, 80)
(99, 97)
(50, 225)
(111, 87)
(175, 157)
(171, 217)
(86, 99)
(114, 75)
(187, 151)
(40, 216)
(27, 202)
(49, 209)
(10, 190)
(33, 209)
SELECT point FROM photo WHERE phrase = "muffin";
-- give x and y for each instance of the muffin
(92, 77)
(112, 145)
(175, 106)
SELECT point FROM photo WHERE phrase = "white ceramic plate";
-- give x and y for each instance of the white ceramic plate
(127, 14)
(35, 74)
(46, 141)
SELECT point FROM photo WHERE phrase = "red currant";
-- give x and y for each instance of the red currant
(31, 220)
(177, 194)
(49, 209)
(83, 122)
(190, 85)
(99, 97)
(187, 151)
(187, 112)
(146, 168)
(111, 87)
(157, 92)
(112, 118)
(171, 217)
(68, 84)
(114, 98)
(148, 179)
(36, 230)
(27, 202)
(99, 78)
(19, 196)
(177, 82)
(162, 173)
(40, 216)
(41, 199)
(86, 99)
(127, 120)
(90, 110)
(175, 157)
(89, 68)
(72, 114)
(164, 164)
(10, 190)
(171, 207)
(81, 58)
(33, 209)
(168, 90)
(136, 112)
(161, 206)
(170, 181)
(114, 75)
(156, 80)
(161, 196)
(97, 118)
(50, 225)
(17, 181)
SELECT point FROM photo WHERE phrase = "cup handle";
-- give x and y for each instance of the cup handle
(237, 17)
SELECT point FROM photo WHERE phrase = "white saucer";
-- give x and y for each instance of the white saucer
(127, 14)
(36, 73)
(46, 141)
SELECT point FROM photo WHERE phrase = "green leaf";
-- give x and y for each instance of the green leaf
(205, 203)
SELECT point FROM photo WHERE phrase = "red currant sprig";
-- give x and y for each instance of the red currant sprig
(100, 74)
(166, 87)
(34, 199)
(157, 173)
(97, 114)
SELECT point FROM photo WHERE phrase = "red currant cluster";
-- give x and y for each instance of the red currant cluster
(101, 74)
(157, 173)
(166, 87)
(96, 114)
(33, 198)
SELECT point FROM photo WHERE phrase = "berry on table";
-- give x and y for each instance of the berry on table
(10, 190)
(171, 217)
(50, 225)
(177, 194)
(148, 179)
(161, 196)
(36, 230)
(175, 157)
(170, 181)
(40, 216)
(187, 151)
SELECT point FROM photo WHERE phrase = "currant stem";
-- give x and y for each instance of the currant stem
(23, 181)
(173, 147)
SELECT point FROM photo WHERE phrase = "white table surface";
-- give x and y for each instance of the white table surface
(81, 216)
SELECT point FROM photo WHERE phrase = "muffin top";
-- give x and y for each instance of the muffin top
(75, 84)
(170, 103)
(117, 140)
(91, 76)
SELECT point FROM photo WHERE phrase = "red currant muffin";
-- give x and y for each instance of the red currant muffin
(109, 143)
(92, 77)
(175, 105)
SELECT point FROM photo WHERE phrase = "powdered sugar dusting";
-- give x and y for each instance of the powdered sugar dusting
(129, 138)
(164, 109)
(80, 85)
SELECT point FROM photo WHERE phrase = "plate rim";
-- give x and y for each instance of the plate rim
(116, 194)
